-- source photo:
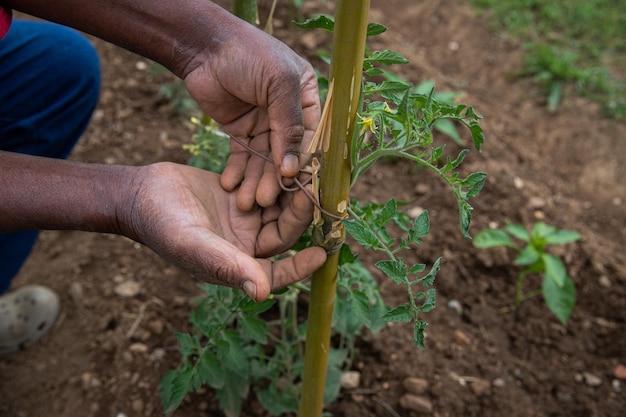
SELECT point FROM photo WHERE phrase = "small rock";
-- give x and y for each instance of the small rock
(138, 348)
(350, 379)
(604, 281)
(128, 289)
(518, 183)
(418, 403)
(456, 306)
(415, 385)
(422, 188)
(620, 371)
(617, 386)
(591, 379)
(414, 212)
(536, 202)
(480, 386)
(137, 405)
(461, 338)
(156, 326)
(499, 382)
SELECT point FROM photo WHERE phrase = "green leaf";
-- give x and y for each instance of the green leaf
(232, 395)
(389, 211)
(429, 302)
(362, 234)
(541, 230)
(236, 358)
(561, 237)
(188, 346)
(477, 135)
(421, 226)
(277, 402)
(418, 333)
(396, 270)
(399, 314)
(554, 269)
(251, 307)
(210, 370)
(527, 256)
(475, 183)
(317, 22)
(374, 29)
(174, 387)
(417, 268)
(345, 255)
(448, 128)
(256, 328)
(560, 300)
(387, 57)
(491, 238)
(465, 213)
(429, 279)
(518, 231)
(361, 307)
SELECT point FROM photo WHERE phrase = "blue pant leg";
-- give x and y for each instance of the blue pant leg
(49, 87)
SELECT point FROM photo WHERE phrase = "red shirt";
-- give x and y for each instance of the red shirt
(5, 21)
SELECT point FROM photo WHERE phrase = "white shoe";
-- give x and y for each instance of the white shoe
(26, 314)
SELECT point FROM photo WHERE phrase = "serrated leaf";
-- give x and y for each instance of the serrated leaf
(345, 255)
(277, 402)
(374, 29)
(419, 328)
(491, 238)
(318, 22)
(421, 226)
(388, 87)
(475, 183)
(362, 234)
(429, 302)
(188, 345)
(527, 256)
(174, 387)
(465, 214)
(560, 300)
(399, 314)
(417, 268)
(388, 212)
(394, 269)
(429, 279)
(541, 230)
(210, 370)
(560, 237)
(236, 358)
(387, 57)
(232, 395)
(554, 269)
(255, 328)
(361, 307)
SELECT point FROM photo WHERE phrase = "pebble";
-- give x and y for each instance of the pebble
(138, 348)
(620, 371)
(414, 212)
(418, 403)
(456, 306)
(350, 379)
(461, 338)
(604, 281)
(137, 405)
(480, 386)
(415, 385)
(499, 382)
(128, 289)
(591, 379)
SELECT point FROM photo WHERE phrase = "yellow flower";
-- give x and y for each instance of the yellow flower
(366, 123)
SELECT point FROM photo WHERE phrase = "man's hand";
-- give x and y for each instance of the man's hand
(264, 94)
(186, 217)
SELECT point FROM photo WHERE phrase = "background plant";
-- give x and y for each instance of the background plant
(580, 42)
(557, 287)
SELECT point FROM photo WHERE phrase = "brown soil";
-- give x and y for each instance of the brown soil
(562, 168)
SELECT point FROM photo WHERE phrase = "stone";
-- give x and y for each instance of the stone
(415, 385)
(350, 379)
(138, 348)
(418, 403)
(461, 338)
(620, 371)
(591, 379)
(128, 289)
(480, 387)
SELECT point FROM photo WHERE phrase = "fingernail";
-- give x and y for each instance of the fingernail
(290, 164)
(250, 289)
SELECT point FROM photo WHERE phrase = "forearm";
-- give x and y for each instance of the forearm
(41, 193)
(171, 32)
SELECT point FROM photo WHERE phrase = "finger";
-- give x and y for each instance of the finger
(280, 234)
(235, 169)
(268, 189)
(285, 110)
(246, 196)
(296, 268)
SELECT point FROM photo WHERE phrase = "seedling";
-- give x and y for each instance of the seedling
(557, 287)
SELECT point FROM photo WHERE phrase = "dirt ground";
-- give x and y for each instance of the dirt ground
(106, 356)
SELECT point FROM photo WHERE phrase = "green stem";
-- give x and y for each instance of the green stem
(346, 72)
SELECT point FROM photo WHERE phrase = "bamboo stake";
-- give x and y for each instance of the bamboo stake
(345, 75)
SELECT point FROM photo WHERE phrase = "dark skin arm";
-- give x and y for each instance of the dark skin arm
(181, 212)
(248, 81)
